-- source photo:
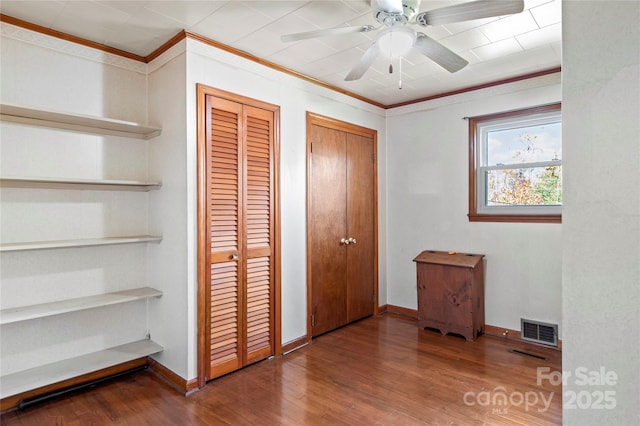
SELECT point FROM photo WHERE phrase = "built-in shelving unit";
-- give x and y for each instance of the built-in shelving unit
(88, 184)
(24, 313)
(52, 375)
(77, 122)
(33, 378)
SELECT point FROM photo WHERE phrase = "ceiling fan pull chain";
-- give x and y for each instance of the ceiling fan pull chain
(391, 52)
(400, 73)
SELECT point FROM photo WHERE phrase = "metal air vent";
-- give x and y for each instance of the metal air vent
(539, 332)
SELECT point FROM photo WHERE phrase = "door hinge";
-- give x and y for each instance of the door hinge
(373, 156)
(311, 149)
(313, 320)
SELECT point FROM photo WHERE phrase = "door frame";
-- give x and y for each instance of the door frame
(332, 123)
(202, 91)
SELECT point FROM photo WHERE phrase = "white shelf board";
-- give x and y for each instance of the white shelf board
(24, 313)
(87, 242)
(77, 122)
(33, 378)
(88, 184)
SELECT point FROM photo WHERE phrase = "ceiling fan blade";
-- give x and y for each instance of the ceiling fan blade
(365, 62)
(389, 6)
(439, 54)
(469, 11)
(326, 33)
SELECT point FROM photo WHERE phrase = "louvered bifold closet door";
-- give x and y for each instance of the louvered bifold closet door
(240, 215)
(226, 233)
(259, 233)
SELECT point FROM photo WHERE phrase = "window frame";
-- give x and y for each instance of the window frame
(478, 212)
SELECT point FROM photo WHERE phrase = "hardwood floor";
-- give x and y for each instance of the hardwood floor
(379, 371)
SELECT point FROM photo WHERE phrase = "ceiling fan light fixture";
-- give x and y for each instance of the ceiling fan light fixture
(395, 42)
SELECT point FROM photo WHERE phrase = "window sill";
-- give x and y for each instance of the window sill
(526, 218)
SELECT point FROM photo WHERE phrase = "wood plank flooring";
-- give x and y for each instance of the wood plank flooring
(379, 371)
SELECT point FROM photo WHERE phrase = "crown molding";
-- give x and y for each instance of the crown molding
(38, 35)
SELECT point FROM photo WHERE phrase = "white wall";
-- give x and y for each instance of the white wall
(428, 162)
(172, 264)
(601, 222)
(66, 77)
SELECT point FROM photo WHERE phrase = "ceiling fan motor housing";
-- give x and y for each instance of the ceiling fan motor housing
(391, 18)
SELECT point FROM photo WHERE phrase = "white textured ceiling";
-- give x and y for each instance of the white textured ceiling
(496, 48)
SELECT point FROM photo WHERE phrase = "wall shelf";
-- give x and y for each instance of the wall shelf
(24, 313)
(87, 184)
(85, 242)
(77, 122)
(33, 378)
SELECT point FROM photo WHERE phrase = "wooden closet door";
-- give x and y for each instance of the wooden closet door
(360, 215)
(327, 227)
(341, 225)
(240, 214)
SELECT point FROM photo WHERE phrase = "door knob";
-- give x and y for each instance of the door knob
(234, 256)
(345, 241)
(351, 240)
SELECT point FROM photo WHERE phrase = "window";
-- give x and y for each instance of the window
(515, 166)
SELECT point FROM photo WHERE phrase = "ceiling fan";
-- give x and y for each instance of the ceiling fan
(397, 38)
